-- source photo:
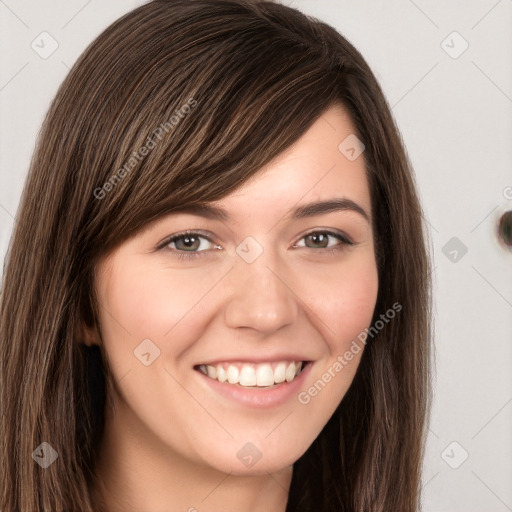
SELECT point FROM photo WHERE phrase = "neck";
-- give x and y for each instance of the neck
(134, 473)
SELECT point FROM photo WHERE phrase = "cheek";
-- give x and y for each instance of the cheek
(352, 312)
(345, 301)
(341, 308)
(153, 303)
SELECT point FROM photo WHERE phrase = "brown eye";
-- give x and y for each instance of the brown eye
(320, 240)
(190, 242)
(187, 245)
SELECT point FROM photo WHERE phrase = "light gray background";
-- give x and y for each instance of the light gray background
(454, 111)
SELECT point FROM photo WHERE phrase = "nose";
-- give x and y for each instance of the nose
(259, 296)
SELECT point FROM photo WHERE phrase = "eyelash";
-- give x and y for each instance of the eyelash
(187, 255)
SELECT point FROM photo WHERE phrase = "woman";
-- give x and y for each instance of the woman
(257, 371)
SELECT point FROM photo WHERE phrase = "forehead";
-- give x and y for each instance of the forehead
(313, 169)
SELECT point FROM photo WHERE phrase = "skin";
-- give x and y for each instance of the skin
(172, 441)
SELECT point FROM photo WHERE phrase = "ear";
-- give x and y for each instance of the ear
(88, 335)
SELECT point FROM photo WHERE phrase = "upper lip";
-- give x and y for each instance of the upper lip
(255, 360)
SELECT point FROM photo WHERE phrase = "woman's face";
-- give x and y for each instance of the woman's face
(258, 286)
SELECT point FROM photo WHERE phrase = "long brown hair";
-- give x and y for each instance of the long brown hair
(213, 89)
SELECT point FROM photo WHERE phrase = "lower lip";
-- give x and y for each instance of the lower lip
(262, 398)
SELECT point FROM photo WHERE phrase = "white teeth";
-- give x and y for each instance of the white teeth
(280, 373)
(251, 375)
(247, 376)
(221, 373)
(212, 371)
(290, 372)
(264, 375)
(233, 374)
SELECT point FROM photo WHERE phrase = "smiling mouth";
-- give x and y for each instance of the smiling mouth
(251, 375)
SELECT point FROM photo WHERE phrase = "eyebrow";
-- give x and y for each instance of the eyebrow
(308, 210)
